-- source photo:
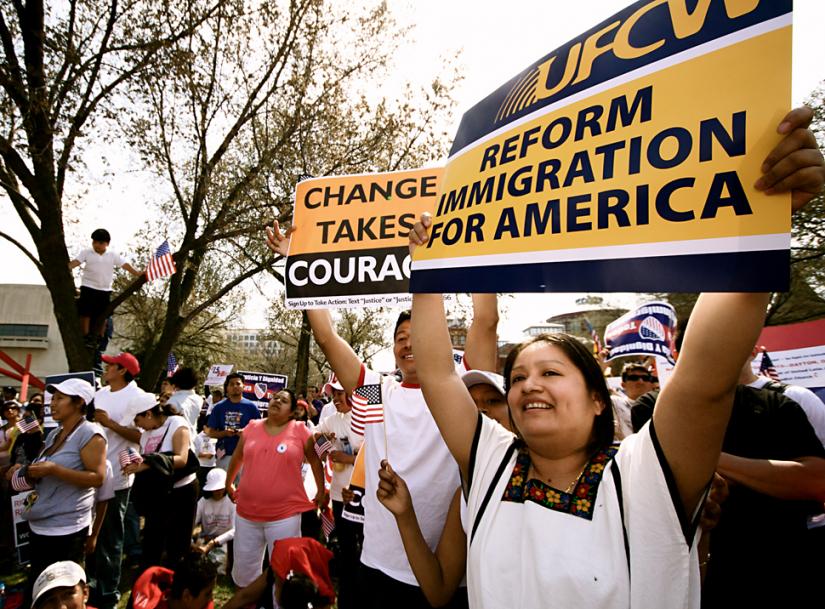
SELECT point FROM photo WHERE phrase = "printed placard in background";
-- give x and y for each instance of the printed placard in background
(259, 387)
(350, 248)
(647, 331)
(602, 168)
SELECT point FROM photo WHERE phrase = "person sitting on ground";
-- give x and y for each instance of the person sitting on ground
(190, 586)
(216, 515)
(62, 585)
(297, 578)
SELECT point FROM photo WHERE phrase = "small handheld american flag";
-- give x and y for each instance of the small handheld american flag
(28, 424)
(366, 407)
(766, 366)
(161, 264)
(127, 456)
(322, 446)
(327, 522)
(19, 482)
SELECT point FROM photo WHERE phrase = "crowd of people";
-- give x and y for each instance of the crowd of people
(537, 487)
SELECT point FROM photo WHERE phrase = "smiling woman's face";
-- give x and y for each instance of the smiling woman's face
(549, 398)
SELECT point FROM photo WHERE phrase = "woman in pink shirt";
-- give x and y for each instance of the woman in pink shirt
(271, 497)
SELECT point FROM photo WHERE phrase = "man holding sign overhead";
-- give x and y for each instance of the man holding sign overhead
(397, 426)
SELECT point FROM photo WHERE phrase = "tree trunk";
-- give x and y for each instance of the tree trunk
(54, 258)
(302, 366)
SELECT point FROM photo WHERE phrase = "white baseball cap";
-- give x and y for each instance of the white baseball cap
(333, 386)
(215, 479)
(478, 377)
(63, 574)
(74, 387)
(141, 402)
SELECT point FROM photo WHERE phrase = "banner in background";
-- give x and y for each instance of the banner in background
(21, 526)
(217, 374)
(351, 246)
(797, 351)
(647, 331)
(259, 387)
(598, 168)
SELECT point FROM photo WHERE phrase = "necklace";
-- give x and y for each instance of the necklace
(570, 487)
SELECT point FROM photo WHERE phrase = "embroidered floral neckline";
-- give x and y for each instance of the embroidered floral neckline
(580, 502)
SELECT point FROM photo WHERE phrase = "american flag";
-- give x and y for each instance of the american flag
(161, 264)
(171, 364)
(28, 424)
(766, 366)
(19, 482)
(597, 343)
(128, 456)
(322, 446)
(366, 407)
(327, 522)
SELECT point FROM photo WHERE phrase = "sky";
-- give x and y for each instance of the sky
(496, 40)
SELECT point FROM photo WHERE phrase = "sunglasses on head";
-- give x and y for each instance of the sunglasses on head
(638, 377)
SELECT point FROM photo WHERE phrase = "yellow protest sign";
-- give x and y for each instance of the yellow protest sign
(350, 247)
(625, 160)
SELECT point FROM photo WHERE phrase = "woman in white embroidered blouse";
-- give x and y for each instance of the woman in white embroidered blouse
(559, 517)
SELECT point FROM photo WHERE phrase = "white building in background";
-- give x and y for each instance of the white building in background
(249, 340)
(539, 329)
(28, 325)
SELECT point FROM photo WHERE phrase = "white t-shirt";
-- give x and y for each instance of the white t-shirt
(217, 519)
(621, 415)
(339, 424)
(205, 444)
(409, 438)
(809, 402)
(150, 442)
(99, 269)
(115, 404)
(188, 404)
(535, 546)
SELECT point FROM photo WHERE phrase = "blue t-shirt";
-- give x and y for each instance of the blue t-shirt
(229, 415)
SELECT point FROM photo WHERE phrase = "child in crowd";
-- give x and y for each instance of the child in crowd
(205, 449)
(97, 278)
(216, 515)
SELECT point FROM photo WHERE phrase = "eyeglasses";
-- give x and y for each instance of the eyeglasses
(637, 377)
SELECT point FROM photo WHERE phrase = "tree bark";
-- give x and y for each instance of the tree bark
(302, 366)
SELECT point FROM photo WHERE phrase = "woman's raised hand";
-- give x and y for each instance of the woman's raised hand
(278, 241)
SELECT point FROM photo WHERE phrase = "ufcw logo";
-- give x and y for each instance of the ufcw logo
(535, 86)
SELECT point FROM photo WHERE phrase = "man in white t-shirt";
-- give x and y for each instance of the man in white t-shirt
(398, 426)
(96, 280)
(114, 410)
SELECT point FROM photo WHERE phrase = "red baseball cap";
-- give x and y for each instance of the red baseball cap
(125, 360)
